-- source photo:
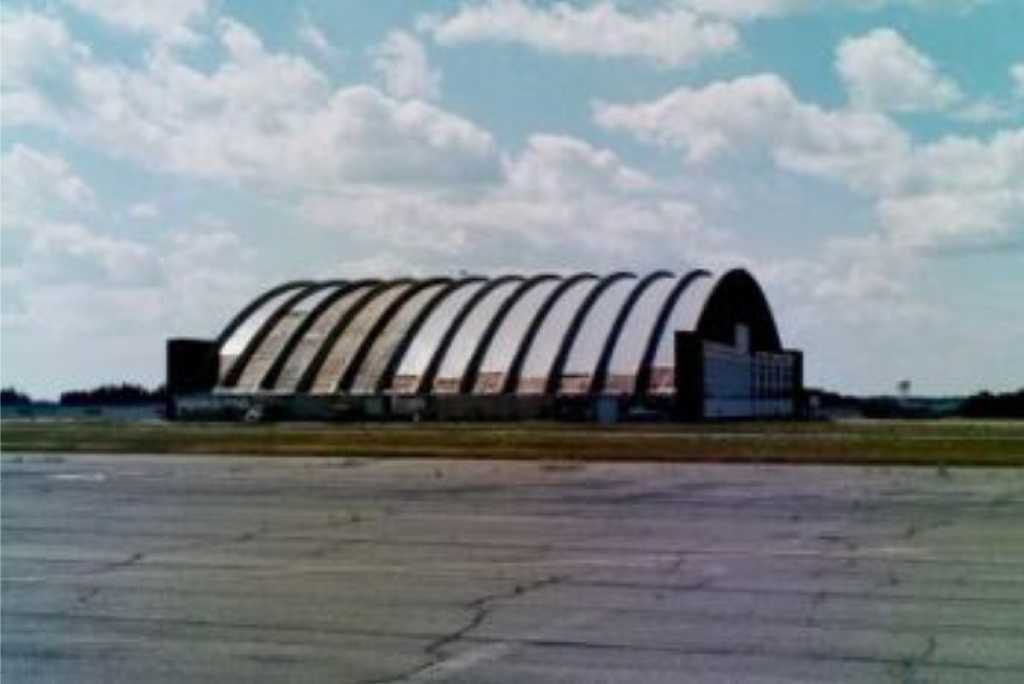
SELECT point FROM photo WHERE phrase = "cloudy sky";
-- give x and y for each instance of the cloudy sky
(162, 162)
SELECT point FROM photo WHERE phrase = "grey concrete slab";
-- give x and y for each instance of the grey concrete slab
(164, 568)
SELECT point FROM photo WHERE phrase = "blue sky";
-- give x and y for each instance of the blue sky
(164, 162)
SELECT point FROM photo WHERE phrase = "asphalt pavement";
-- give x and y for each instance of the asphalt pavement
(230, 569)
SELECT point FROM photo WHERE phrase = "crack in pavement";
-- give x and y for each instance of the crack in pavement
(481, 608)
(137, 557)
(908, 666)
(128, 562)
(86, 595)
(441, 665)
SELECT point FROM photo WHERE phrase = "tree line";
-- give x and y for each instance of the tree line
(980, 405)
(125, 394)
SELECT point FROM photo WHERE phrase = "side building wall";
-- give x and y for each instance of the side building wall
(716, 380)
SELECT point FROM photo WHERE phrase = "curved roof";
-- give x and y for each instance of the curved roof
(552, 334)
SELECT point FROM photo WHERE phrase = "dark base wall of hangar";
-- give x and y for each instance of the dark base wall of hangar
(712, 381)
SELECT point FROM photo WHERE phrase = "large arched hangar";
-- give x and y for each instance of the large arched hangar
(689, 345)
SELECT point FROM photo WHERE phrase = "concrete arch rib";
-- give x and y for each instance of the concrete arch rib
(597, 384)
(473, 368)
(643, 375)
(572, 332)
(395, 362)
(427, 380)
(313, 369)
(250, 308)
(515, 369)
(269, 380)
(267, 327)
(352, 371)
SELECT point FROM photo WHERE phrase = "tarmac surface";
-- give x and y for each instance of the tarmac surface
(229, 569)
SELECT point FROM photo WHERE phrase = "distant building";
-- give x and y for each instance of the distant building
(604, 347)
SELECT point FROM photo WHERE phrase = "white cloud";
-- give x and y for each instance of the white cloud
(29, 40)
(560, 201)
(964, 163)
(311, 35)
(125, 297)
(207, 274)
(952, 193)
(745, 10)
(559, 166)
(357, 160)
(402, 63)
(37, 53)
(70, 252)
(667, 36)
(44, 205)
(59, 314)
(144, 210)
(35, 183)
(227, 124)
(959, 192)
(855, 276)
(883, 71)
(983, 111)
(954, 220)
(72, 279)
(761, 113)
(167, 21)
(1017, 73)
(989, 109)
(204, 246)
